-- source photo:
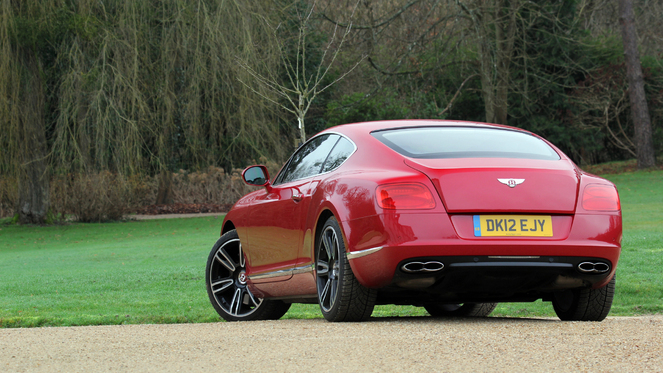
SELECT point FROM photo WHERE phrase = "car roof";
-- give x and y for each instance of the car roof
(363, 128)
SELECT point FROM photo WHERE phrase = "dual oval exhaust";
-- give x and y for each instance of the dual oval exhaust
(593, 267)
(419, 267)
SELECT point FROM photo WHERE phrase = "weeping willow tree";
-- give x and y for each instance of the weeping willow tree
(22, 114)
(130, 87)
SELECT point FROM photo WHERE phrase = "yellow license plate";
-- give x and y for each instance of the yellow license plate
(512, 226)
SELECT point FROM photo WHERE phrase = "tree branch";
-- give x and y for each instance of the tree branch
(384, 72)
(456, 95)
(398, 13)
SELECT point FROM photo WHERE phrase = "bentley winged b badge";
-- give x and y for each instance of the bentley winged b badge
(511, 182)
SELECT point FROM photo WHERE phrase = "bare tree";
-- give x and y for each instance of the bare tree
(602, 103)
(302, 86)
(22, 123)
(639, 109)
(410, 45)
(494, 26)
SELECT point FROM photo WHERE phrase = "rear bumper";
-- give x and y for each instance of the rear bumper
(490, 279)
(389, 241)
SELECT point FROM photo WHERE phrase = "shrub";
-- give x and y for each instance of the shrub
(212, 185)
(91, 197)
(103, 196)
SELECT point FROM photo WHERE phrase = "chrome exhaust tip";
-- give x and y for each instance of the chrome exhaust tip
(593, 267)
(418, 267)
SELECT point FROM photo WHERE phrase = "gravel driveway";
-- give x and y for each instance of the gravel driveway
(423, 344)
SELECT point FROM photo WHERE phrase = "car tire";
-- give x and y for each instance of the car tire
(340, 295)
(460, 310)
(584, 304)
(226, 282)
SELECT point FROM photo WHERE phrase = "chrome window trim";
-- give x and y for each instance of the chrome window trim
(323, 173)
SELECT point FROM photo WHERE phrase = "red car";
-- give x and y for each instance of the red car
(451, 216)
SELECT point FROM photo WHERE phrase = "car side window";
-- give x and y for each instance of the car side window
(343, 149)
(309, 159)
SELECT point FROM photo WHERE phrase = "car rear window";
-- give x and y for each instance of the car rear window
(465, 142)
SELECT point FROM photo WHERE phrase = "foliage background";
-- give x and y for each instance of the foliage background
(117, 98)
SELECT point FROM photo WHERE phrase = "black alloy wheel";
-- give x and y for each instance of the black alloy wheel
(341, 296)
(584, 304)
(460, 310)
(226, 281)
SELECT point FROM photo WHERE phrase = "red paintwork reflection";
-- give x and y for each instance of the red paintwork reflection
(471, 185)
(270, 244)
(278, 232)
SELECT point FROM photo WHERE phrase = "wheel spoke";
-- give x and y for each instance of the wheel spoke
(324, 293)
(334, 246)
(224, 284)
(326, 241)
(323, 268)
(332, 293)
(236, 303)
(223, 258)
(327, 268)
(256, 302)
(241, 256)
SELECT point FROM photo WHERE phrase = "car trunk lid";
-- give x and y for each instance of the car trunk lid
(491, 185)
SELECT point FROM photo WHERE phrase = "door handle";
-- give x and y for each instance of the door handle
(297, 197)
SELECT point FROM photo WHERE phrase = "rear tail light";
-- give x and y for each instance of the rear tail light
(404, 196)
(597, 197)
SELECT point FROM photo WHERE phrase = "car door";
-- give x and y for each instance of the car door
(276, 227)
(342, 150)
(303, 280)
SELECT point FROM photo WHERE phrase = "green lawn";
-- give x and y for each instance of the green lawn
(80, 274)
(639, 280)
(152, 271)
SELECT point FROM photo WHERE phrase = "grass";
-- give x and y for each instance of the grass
(153, 271)
(640, 284)
(114, 273)
(639, 281)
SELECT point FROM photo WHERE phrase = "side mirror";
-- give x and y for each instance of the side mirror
(256, 176)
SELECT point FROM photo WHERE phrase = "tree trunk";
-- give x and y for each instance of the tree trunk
(487, 86)
(302, 130)
(165, 190)
(481, 24)
(33, 178)
(505, 35)
(639, 110)
(496, 23)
